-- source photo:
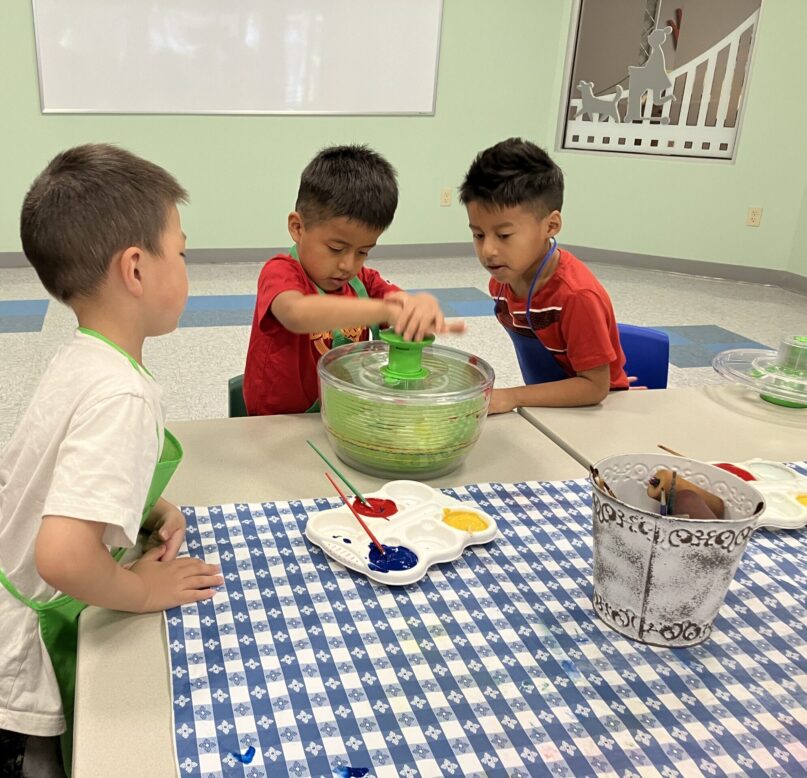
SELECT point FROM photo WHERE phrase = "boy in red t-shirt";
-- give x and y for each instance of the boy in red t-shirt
(513, 193)
(320, 295)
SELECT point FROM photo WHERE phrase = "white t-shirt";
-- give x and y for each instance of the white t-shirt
(86, 448)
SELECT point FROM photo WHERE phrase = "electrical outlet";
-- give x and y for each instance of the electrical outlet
(754, 217)
(445, 196)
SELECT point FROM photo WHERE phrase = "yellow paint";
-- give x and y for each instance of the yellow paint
(802, 498)
(464, 520)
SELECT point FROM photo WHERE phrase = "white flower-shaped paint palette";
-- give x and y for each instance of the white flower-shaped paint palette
(785, 493)
(427, 527)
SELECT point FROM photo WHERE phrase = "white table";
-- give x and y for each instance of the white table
(711, 423)
(123, 702)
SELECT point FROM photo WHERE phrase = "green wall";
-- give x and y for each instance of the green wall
(501, 69)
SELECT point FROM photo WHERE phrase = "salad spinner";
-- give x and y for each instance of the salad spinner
(780, 376)
(403, 409)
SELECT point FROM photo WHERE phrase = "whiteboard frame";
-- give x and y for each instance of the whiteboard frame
(102, 112)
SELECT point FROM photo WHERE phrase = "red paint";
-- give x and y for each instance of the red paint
(734, 470)
(378, 507)
(676, 25)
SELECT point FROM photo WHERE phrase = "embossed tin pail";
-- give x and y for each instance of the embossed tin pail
(660, 579)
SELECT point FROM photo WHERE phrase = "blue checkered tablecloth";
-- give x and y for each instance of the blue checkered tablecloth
(492, 665)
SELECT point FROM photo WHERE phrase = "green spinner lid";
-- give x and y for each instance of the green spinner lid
(405, 357)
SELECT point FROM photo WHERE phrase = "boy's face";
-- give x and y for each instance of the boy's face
(170, 276)
(332, 251)
(511, 242)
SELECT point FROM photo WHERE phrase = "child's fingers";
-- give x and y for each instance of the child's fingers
(458, 325)
(172, 522)
(197, 595)
(173, 544)
(153, 554)
(406, 324)
(203, 581)
(439, 322)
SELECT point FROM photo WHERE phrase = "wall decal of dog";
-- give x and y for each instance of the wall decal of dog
(604, 105)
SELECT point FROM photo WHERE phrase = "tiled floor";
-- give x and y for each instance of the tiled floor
(696, 345)
(702, 316)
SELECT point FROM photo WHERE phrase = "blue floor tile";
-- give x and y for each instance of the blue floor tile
(22, 315)
(704, 333)
(470, 308)
(230, 310)
(695, 345)
(716, 348)
(455, 293)
(221, 302)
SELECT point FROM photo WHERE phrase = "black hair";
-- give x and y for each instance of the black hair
(88, 204)
(350, 181)
(514, 172)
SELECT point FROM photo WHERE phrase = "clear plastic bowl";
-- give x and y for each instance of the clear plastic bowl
(416, 428)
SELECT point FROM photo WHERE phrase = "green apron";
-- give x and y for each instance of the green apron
(337, 338)
(58, 619)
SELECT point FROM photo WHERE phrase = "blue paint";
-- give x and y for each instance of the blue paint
(394, 558)
(568, 667)
(246, 757)
(351, 772)
(344, 540)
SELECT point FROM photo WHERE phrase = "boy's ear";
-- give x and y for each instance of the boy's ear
(554, 222)
(295, 226)
(129, 267)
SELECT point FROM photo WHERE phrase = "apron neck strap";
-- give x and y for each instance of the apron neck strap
(135, 364)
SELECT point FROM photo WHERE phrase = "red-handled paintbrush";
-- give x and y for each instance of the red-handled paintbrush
(358, 518)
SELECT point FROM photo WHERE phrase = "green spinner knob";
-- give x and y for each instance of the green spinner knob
(405, 357)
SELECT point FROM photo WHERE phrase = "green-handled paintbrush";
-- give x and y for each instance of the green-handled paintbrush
(362, 499)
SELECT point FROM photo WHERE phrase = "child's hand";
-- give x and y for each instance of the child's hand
(168, 529)
(419, 315)
(167, 584)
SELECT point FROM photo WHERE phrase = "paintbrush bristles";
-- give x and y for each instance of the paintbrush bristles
(353, 511)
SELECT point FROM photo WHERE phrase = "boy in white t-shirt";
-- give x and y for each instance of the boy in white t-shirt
(90, 456)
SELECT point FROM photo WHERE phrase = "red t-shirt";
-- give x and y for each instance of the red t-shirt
(573, 317)
(281, 371)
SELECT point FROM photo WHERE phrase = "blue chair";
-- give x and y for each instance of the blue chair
(647, 355)
(235, 398)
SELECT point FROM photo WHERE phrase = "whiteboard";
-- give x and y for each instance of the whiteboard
(238, 56)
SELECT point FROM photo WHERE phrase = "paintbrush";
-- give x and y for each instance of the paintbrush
(362, 499)
(600, 481)
(358, 518)
(670, 450)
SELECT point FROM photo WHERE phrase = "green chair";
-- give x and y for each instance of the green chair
(236, 405)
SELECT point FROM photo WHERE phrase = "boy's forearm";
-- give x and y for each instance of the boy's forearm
(568, 393)
(314, 313)
(72, 559)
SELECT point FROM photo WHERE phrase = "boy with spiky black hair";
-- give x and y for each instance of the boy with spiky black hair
(559, 315)
(320, 294)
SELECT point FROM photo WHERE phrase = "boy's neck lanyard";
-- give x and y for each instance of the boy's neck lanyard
(552, 246)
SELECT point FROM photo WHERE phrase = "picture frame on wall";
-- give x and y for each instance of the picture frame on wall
(658, 77)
